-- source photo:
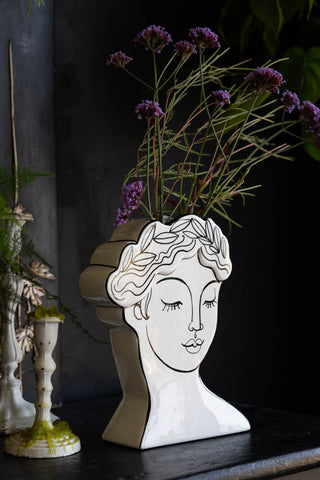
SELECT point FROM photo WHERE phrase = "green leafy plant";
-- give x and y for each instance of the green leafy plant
(279, 28)
(11, 184)
(241, 22)
(207, 126)
(37, 2)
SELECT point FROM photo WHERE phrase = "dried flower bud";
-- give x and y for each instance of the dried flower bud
(148, 109)
(221, 97)
(118, 59)
(121, 217)
(153, 38)
(309, 116)
(184, 49)
(290, 100)
(203, 38)
(264, 79)
(130, 199)
(130, 195)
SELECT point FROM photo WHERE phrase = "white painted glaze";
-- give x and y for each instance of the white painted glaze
(43, 439)
(181, 407)
(168, 284)
(15, 412)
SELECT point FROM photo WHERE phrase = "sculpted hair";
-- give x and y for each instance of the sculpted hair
(159, 249)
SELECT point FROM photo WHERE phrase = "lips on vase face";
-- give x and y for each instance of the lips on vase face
(183, 315)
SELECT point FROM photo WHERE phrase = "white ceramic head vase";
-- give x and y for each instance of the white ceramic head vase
(167, 283)
(160, 289)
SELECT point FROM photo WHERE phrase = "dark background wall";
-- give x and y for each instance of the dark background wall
(265, 351)
(33, 65)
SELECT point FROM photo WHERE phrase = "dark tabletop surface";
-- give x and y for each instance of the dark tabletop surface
(279, 443)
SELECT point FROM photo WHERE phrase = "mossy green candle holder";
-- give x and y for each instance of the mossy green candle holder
(44, 439)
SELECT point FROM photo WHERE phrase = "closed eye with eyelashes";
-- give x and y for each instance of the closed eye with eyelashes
(210, 303)
(176, 305)
(171, 306)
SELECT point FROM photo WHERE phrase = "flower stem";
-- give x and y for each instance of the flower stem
(194, 180)
(155, 73)
(138, 79)
(148, 166)
(160, 174)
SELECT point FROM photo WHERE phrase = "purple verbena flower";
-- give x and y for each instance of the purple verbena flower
(130, 198)
(130, 195)
(184, 49)
(290, 100)
(309, 116)
(264, 79)
(153, 38)
(118, 59)
(148, 109)
(203, 38)
(221, 97)
(121, 217)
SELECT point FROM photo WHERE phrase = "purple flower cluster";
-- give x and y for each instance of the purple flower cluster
(131, 194)
(118, 59)
(290, 100)
(184, 49)
(264, 79)
(121, 217)
(221, 97)
(149, 110)
(153, 38)
(309, 116)
(203, 37)
(310, 119)
(130, 198)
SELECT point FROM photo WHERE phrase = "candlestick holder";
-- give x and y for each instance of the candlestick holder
(45, 439)
(15, 412)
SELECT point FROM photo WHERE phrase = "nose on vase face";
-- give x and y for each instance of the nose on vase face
(195, 324)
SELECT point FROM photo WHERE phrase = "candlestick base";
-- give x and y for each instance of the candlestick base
(43, 440)
(13, 420)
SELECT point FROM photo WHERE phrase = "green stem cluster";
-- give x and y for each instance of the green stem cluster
(196, 158)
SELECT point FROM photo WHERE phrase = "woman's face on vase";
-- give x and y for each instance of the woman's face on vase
(183, 315)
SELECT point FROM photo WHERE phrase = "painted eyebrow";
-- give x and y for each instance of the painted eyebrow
(182, 281)
(172, 278)
(212, 281)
